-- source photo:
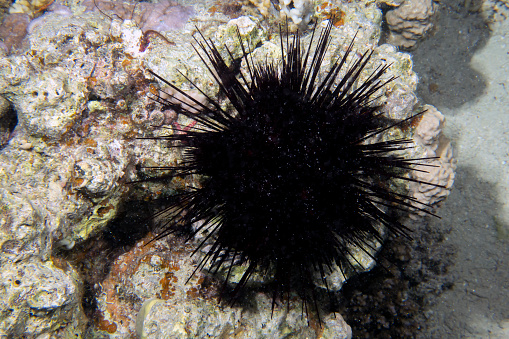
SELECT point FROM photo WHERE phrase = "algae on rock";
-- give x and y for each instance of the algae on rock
(81, 97)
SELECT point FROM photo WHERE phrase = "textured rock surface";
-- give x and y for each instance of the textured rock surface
(50, 103)
(30, 7)
(440, 170)
(248, 28)
(410, 21)
(80, 95)
(59, 172)
(35, 295)
(154, 275)
(299, 11)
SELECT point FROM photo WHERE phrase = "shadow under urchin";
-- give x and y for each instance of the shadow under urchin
(293, 173)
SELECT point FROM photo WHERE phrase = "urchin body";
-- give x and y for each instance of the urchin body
(292, 176)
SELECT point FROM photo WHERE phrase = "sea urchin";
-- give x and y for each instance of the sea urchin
(294, 173)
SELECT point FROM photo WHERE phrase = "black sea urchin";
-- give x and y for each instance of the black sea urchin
(293, 174)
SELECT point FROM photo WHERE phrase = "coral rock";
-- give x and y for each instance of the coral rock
(250, 31)
(299, 11)
(50, 103)
(36, 296)
(264, 6)
(167, 304)
(439, 171)
(30, 7)
(410, 22)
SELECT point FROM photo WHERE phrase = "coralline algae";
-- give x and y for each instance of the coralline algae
(13, 30)
(80, 96)
(164, 15)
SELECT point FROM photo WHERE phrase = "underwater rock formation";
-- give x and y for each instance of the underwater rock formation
(299, 11)
(410, 22)
(155, 274)
(80, 95)
(36, 295)
(428, 135)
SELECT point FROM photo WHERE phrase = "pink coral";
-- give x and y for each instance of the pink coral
(162, 16)
(13, 30)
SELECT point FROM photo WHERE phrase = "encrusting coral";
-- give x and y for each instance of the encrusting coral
(410, 22)
(440, 169)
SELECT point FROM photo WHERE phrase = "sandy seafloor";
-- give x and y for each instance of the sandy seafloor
(464, 71)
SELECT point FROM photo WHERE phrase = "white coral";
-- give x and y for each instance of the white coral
(300, 11)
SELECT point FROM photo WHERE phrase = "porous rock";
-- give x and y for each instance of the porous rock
(299, 11)
(168, 297)
(264, 6)
(35, 296)
(50, 102)
(71, 163)
(46, 201)
(30, 7)
(410, 22)
(439, 171)
(248, 28)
